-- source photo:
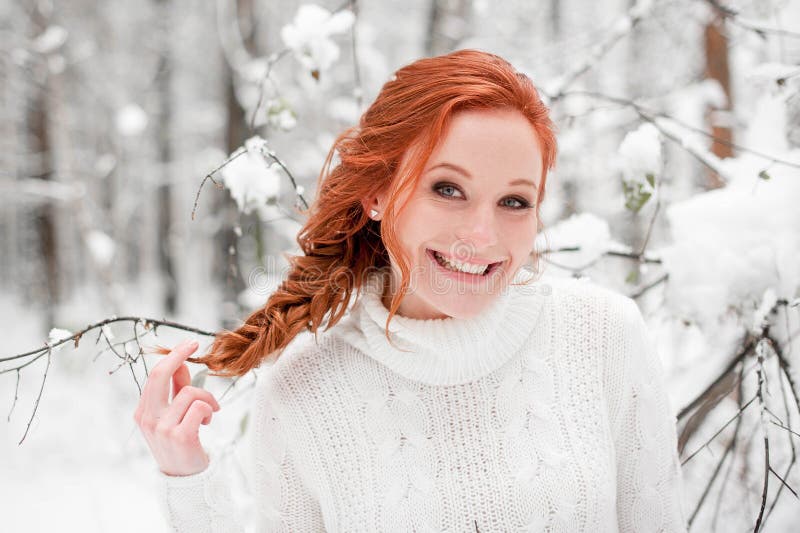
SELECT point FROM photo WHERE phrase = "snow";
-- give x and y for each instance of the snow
(130, 120)
(641, 8)
(622, 26)
(730, 254)
(284, 119)
(253, 182)
(278, 114)
(481, 7)
(769, 72)
(84, 465)
(760, 316)
(101, 247)
(726, 251)
(51, 39)
(688, 105)
(585, 230)
(256, 145)
(57, 334)
(106, 329)
(733, 245)
(255, 69)
(640, 155)
(767, 131)
(308, 36)
(712, 94)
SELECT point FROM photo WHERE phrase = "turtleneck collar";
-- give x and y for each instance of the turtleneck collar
(445, 351)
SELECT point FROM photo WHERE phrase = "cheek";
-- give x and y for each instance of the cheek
(411, 230)
(432, 212)
(423, 220)
(520, 235)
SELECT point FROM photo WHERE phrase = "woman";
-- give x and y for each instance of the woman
(457, 392)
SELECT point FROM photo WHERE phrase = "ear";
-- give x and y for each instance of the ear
(376, 203)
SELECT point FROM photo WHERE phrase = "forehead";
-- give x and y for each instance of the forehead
(486, 141)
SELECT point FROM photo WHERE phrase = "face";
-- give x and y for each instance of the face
(470, 223)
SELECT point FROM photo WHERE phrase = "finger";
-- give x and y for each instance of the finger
(177, 410)
(180, 379)
(197, 412)
(156, 389)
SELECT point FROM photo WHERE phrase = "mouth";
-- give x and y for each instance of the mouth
(461, 268)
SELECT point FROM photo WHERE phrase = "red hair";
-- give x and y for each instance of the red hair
(341, 245)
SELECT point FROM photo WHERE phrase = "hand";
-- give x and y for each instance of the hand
(172, 429)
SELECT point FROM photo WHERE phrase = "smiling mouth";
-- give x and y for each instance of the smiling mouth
(461, 267)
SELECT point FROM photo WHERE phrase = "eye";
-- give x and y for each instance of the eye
(446, 189)
(520, 203)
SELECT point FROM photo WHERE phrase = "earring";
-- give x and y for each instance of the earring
(373, 213)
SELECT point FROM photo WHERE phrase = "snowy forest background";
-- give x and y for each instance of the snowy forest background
(677, 183)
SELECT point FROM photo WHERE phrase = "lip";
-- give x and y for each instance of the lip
(475, 261)
(463, 276)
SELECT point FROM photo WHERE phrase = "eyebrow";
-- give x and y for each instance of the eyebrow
(466, 174)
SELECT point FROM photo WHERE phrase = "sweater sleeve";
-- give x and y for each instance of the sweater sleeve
(649, 479)
(273, 497)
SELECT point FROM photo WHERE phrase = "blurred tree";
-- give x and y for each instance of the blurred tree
(716, 48)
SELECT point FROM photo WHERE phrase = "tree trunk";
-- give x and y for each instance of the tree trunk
(39, 145)
(236, 130)
(448, 24)
(164, 192)
(716, 46)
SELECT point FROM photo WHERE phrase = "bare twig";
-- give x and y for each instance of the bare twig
(620, 29)
(125, 358)
(16, 396)
(210, 176)
(720, 430)
(147, 322)
(640, 292)
(767, 467)
(38, 397)
(787, 427)
(638, 257)
(274, 58)
(650, 115)
(783, 484)
(728, 449)
(733, 447)
(139, 344)
(734, 17)
(271, 154)
(747, 347)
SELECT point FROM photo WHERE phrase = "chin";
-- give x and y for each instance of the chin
(462, 306)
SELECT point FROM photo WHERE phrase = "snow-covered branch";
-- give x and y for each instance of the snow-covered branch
(736, 18)
(622, 27)
(129, 351)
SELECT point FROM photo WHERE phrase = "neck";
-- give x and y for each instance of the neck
(407, 308)
(445, 351)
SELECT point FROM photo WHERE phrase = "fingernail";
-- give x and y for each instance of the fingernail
(194, 344)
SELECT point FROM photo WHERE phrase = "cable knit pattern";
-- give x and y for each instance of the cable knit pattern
(547, 413)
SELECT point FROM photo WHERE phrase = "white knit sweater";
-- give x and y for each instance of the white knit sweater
(546, 413)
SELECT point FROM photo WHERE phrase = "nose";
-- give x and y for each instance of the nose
(479, 228)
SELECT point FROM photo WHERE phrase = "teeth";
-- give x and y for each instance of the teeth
(461, 267)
